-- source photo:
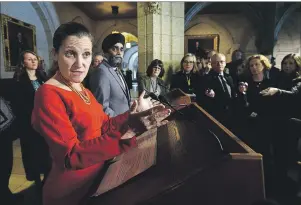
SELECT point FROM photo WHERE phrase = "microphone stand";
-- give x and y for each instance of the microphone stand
(162, 100)
(160, 84)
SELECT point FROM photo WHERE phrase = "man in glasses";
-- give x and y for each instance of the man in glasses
(221, 90)
(107, 83)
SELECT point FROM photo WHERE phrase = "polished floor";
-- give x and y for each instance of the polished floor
(18, 180)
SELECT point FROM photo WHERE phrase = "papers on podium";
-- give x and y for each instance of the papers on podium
(131, 163)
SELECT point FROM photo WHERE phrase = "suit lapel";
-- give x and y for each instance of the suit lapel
(124, 89)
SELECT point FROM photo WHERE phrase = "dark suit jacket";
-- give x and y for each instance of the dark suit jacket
(221, 104)
(179, 80)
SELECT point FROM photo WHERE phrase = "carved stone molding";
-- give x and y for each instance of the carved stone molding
(152, 8)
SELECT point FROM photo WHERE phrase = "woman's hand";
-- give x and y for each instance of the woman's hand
(269, 91)
(144, 103)
(140, 122)
(210, 93)
(243, 87)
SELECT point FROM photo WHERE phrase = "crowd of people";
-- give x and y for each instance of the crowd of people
(68, 132)
(258, 102)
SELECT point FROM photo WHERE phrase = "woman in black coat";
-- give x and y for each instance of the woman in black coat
(187, 79)
(28, 78)
(287, 131)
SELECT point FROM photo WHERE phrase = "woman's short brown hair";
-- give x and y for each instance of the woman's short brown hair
(153, 64)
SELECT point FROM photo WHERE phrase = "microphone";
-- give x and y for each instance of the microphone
(162, 100)
(244, 94)
(164, 86)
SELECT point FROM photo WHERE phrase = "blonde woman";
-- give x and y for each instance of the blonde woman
(258, 115)
(186, 79)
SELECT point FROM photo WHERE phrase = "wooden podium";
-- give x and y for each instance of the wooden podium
(198, 161)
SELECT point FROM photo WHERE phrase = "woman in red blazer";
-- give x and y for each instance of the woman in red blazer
(80, 136)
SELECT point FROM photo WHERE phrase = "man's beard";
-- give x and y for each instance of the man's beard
(115, 61)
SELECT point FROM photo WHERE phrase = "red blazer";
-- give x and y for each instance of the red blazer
(80, 137)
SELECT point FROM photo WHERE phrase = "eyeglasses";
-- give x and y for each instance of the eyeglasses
(188, 62)
(115, 48)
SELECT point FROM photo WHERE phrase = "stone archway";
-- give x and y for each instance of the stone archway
(284, 17)
(49, 19)
(194, 11)
(129, 59)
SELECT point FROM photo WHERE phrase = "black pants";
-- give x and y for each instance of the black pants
(35, 155)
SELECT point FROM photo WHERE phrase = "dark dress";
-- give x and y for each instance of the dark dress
(257, 129)
(35, 155)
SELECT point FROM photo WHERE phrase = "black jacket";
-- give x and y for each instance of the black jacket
(179, 80)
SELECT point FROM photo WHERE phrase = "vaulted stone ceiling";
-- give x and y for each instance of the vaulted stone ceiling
(103, 10)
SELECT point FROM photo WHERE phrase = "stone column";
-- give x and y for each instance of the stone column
(265, 41)
(160, 35)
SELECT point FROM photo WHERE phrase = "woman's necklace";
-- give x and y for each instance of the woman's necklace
(83, 95)
(188, 77)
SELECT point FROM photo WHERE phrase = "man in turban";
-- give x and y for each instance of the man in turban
(107, 83)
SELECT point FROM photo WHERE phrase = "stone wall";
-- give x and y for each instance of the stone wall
(68, 12)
